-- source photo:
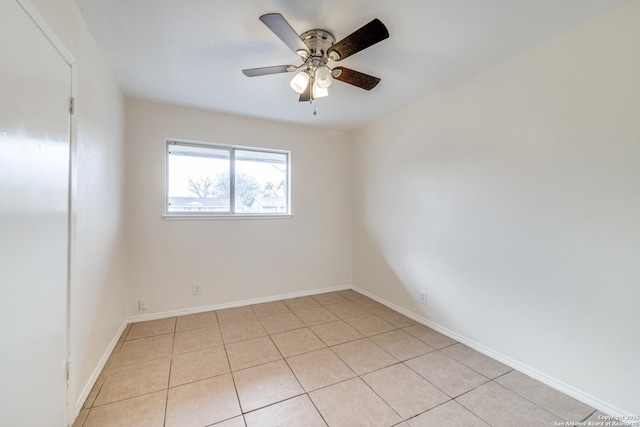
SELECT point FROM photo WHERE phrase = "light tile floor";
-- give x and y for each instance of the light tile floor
(336, 359)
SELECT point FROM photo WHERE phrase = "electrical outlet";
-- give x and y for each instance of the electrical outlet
(142, 306)
(423, 297)
(197, 289)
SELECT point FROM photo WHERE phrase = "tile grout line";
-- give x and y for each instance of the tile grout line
(166, 401)
(589, 416)
(235, 387)
(528, 400)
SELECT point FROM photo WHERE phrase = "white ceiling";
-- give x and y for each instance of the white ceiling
(191, 52)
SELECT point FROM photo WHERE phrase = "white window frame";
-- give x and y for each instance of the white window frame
(231, 214)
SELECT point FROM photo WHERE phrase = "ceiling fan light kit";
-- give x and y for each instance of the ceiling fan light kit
(319, 92)
(299, 82)
(323, 77)
(317, 48)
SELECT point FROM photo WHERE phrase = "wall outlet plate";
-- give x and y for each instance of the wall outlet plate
(423, 297)
(197, 289)
(142, 305)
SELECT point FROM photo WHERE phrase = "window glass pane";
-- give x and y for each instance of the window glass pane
(261, 183)
(198, 179)
(205, 179)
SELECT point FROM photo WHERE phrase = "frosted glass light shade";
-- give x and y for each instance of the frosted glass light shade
(299, 82)
(323, 77)
(319, 92)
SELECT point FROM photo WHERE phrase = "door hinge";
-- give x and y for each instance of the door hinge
(72, 106)
(68, 369)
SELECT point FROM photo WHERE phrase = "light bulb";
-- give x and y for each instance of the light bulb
(323, 77)
(319, 92)
(299, 82)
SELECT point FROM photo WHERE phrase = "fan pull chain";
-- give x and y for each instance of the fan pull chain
(315, 113)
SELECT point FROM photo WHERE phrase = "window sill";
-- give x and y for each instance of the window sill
(171, 217)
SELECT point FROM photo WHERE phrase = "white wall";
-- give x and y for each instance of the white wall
(97, 233)
(513, 199)
(234, 259)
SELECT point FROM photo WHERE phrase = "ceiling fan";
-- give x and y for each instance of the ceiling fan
(317, 48)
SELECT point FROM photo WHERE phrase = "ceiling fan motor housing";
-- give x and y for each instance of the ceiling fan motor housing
(319, 42)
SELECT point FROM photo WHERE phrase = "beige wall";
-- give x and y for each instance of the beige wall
(234, 259)
(513, 199)
(97, 234)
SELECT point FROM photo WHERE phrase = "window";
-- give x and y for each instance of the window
(207, 180)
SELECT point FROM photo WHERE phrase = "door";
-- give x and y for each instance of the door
(35, 87)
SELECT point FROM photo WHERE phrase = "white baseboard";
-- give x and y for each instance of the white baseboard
(96, 372)
(182, 312)
(554, 383)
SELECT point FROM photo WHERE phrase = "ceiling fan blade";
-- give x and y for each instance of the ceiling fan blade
(306, 95)
(368, 35)
(356, 78)
(281, 28)
(263, 71)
